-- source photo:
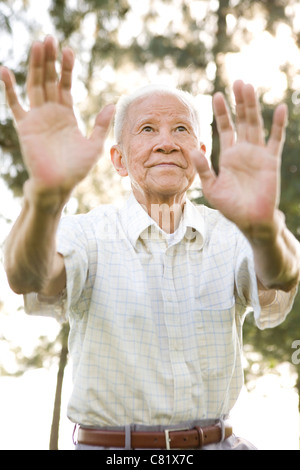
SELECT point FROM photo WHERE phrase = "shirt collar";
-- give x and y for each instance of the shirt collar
(135, 220)
(193, 223)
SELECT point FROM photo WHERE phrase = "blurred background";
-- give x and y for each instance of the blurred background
(200, 46)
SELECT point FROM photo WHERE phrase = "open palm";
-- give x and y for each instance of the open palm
(246, 189)
(55, 152)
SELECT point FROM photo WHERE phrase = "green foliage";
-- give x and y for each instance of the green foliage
(68, 20)
(275, 345)
(44, 355)
(12, 168)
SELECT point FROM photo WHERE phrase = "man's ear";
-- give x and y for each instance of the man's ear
(118, 160)
(202, 148)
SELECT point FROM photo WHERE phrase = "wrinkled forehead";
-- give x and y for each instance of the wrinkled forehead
(160, 105)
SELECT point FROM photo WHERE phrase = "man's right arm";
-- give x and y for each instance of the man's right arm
(31, 261)
(57, 156)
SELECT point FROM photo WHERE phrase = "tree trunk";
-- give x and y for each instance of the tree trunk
(53, 445)
(219, 50)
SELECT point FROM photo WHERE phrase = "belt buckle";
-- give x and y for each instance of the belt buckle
(167, 435)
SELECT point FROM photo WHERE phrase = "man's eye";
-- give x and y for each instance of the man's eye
(147, 129)
(181, 129)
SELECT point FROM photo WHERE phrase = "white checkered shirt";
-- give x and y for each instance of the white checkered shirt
(156, 328)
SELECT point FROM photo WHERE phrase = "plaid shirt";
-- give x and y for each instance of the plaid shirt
(156, 321)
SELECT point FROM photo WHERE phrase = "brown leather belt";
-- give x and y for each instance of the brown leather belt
(169, 439)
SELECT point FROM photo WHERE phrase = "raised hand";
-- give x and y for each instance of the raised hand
(246, 189)
(55, 152)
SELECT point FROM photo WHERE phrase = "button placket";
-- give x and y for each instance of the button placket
(181, 376)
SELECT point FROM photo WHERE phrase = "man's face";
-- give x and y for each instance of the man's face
(158, 135)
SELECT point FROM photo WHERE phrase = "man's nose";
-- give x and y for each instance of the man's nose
(166, 143)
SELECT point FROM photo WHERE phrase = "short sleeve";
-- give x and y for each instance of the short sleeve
(54, 307)
(267, 316)
(276, 312)
(72, 244)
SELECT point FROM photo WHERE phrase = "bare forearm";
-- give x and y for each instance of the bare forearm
(276, 255)
(30, 248)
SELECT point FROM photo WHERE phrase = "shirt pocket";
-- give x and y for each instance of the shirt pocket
(216, 340)
(213, 278)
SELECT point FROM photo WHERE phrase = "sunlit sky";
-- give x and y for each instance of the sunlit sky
(258, 63)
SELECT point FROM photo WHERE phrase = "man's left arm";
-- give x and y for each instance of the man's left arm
(246, 189)
(277, 258)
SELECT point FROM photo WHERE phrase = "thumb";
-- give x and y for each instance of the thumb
(102, 123)
(206, 174)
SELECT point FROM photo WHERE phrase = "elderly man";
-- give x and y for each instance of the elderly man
(155, 292)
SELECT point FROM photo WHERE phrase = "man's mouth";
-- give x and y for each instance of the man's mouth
(166, 164)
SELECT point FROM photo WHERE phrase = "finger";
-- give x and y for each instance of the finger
(9, 81)
(35, 80)
(206, 173)
(65, 83)
(241, 122)
(50, 76)
(102, 124)
(277, 134)
(224, 122)
(254, 120)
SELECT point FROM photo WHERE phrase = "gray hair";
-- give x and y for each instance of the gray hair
(125, 101)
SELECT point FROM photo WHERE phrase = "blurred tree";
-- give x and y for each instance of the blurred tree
(63, 359)
(275, 345)
(44, 355)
